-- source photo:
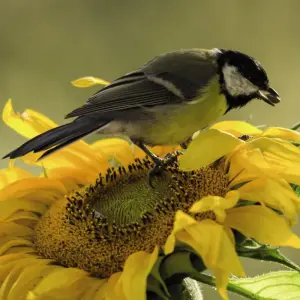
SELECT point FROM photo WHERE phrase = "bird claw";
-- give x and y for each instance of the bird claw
(160, 164)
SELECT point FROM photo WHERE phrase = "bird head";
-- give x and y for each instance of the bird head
(243, 79)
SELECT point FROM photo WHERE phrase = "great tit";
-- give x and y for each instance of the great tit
(163, 102)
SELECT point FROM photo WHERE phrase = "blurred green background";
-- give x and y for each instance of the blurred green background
(46, 44)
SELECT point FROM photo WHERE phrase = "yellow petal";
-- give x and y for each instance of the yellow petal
(265, 157)
(13, 259)
(37, 189)
(117, 148)
(114, 288)
(282, 133)
(217, 204)
(11, 242)
(71, 178)
(212, 243)
(13, 229)
(7, 284)
(61, 281)
(246, 165)
(262, 224)
(29, 123)
(9, 207)
(28, 277)
(287, 169)
(69, 158)
(97, 290)
(88, 81)
(273, 194)
(237, 128)
(77, 155)
(25, 218)
(20, 250)
(8, 263)
(182, 220)
(280, 148)
(212, 246)
(163, 150)
(138, 152)
(12, 174)
(222, 278)
(207, 148)
(134, 276)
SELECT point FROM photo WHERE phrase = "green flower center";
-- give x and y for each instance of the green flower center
(98, 227)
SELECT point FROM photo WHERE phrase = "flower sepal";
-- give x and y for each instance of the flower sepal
(169, 271)
(265, 253)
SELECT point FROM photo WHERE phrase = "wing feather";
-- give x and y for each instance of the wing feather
(124, 96)
(171, 78)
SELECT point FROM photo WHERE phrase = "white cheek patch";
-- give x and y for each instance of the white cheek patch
(236, 84)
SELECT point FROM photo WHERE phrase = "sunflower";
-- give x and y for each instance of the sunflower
(90, 227)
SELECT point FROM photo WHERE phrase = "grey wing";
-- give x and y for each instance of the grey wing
(130, 91)
(171, 78)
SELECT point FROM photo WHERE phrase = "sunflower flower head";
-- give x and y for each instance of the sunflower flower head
(90, 226)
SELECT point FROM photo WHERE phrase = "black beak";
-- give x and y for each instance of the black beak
(270, 96)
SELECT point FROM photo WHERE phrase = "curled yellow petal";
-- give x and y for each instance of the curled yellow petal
(287, 169)
(116, 148)
(163, 150)
(12, 174)
(97, 290)
(216, 204)
(114, 288)
(262, 224)
(29, 123)
(282, 133)
(13, 229)
(212, 243)
(28, 277)
(70, 281)
(280, 148)
(15, 205)
(248, 164)
(25, 218)
(237, 128)
(36, 189)
(88, 81)
(134, 276)
(71, 178)
(160, 151)
(207, 148)
(272, 193)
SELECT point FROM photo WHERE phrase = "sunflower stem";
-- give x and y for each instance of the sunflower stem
(209, 280)
(194, 288)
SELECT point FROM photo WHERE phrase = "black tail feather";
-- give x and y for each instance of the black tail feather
(63, 144)
(59, 136)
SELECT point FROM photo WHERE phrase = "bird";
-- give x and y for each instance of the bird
(164, 101)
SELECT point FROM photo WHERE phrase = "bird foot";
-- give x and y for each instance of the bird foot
(160, 164)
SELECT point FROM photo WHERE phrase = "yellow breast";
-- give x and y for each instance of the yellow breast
(178, 123)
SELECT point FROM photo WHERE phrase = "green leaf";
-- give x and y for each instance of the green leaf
(155, 283)
(296, 126)
(210, 280)
(297, 191)
(272, 286)
(296, 188)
